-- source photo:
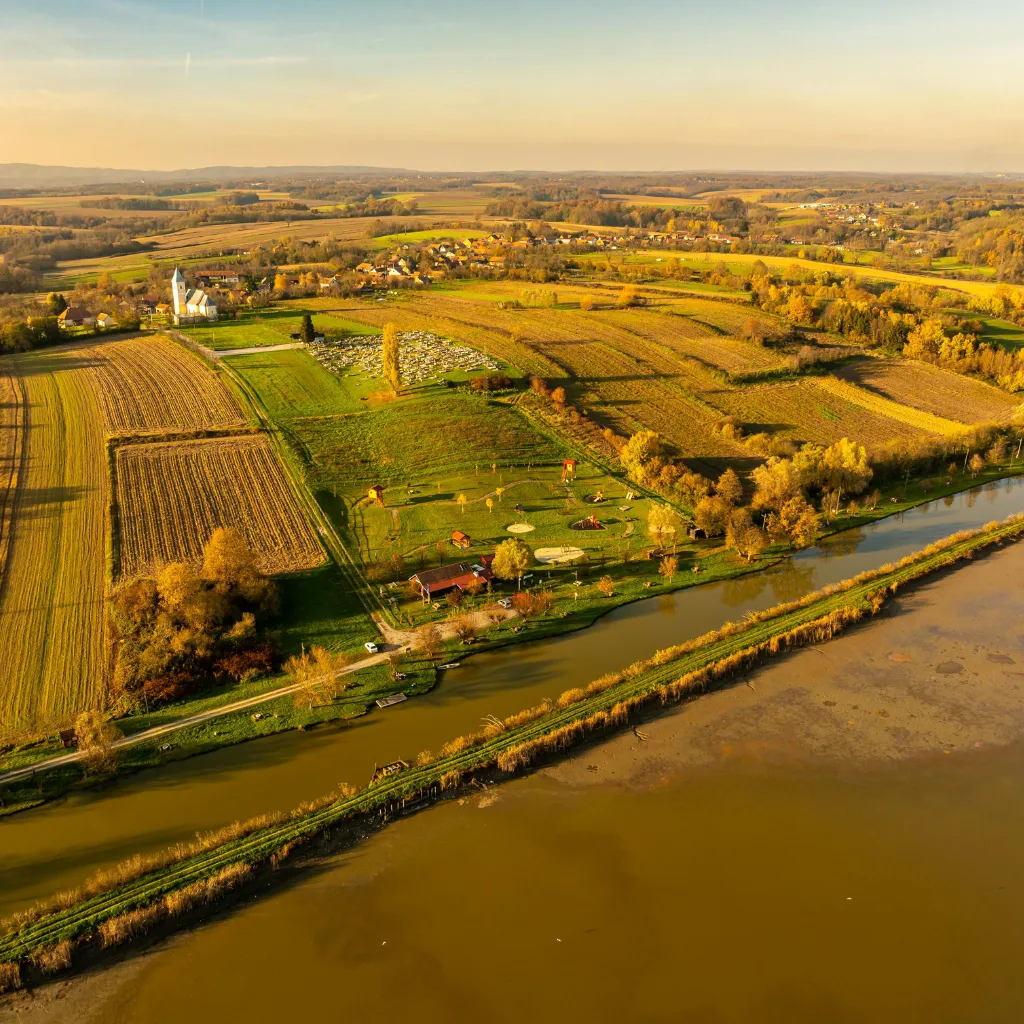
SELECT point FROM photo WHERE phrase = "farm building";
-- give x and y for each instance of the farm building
(76, 316)
(461, 540)
(190, 304)
(106, 321)
(448, 577)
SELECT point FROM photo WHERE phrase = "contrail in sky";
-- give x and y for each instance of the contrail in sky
(188, 63)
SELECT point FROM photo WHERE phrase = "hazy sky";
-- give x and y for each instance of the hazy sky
(552, 84)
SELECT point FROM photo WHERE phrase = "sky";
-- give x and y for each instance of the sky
(885, 85)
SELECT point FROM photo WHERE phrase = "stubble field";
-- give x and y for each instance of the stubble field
(51, 604)
(933, 390)
(172, 496)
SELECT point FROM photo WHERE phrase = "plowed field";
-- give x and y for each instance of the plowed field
(151, 384)
(171, 496)
(933, 390)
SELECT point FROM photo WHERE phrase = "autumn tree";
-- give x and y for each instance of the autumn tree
(390, 364)
(462, 501)
(558, 396)
(668, 567)
(428, 639)
(711, 514)
(512, 558)
(227, 558)
(976, 465)
(729, 488)
(742, 535)
(316, 673)
(606, 586)
(775, 483)
(638, 452)
(841, 466)
(662, 523)
(96, 736)
(627, 297)
(796, 522)
(490, 504)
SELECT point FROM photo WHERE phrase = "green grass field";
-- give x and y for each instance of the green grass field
(438, 434)
(292, 383)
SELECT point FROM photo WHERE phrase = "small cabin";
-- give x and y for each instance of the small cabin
(376, 494)
(461, 540)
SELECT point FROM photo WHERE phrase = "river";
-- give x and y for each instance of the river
(57, 846)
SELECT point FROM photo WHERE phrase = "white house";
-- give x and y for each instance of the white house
(190, 304)
(106, 321)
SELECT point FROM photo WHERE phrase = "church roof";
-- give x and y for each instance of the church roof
(197, 297)
(176, 277)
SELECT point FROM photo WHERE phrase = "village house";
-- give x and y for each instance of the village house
(76, 316)
(218, 278)
(106, 321)
(451, 577)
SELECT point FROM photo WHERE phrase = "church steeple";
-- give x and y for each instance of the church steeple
(178, 292)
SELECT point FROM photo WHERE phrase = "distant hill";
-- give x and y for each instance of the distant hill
(44, 176)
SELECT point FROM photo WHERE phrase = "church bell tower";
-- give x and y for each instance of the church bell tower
(178, 292)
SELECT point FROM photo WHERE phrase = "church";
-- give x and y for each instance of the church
(190, 304)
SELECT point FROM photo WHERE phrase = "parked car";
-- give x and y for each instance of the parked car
(371, 647)
(505, 602)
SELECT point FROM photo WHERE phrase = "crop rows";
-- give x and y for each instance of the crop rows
(12, 433)
(690, 337)
(668, 676)
(52, 660)
(151, 384)
(805, 411)
(902, 414)
(931, 389)
(173, 495)
(632, 394)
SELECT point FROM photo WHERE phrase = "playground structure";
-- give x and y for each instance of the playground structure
(590, 523)
(568, 470)
(375, 495)
(595, 499)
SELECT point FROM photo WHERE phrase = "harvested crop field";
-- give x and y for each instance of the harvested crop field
(805, 410)
(171, 497)
(12, 410)
(932, 389)
(876, 403)
(152, 384)
(52, 650)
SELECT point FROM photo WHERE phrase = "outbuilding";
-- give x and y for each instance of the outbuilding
(449, 577)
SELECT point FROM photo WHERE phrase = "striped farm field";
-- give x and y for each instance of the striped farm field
(876, 403)
(804, 410)
(150, 384)
(12, 435)
(933, 390)
(172, 495)
(52, 650)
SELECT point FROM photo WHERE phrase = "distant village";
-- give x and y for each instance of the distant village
(419, 264)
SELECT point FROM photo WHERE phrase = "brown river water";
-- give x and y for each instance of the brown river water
(715, 889)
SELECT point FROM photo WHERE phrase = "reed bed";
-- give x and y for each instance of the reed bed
(156, 889)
